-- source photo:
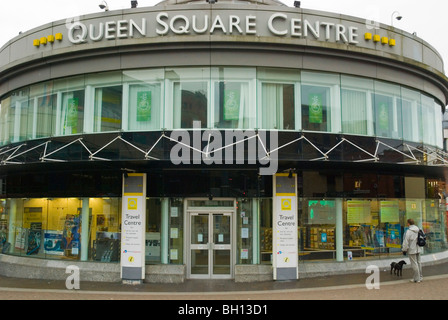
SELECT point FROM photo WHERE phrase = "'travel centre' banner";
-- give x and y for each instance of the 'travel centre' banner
(133, 227)
(285, 224)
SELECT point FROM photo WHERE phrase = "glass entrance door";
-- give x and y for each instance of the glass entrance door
(210, 245)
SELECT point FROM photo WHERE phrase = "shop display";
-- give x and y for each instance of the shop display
(322, 238)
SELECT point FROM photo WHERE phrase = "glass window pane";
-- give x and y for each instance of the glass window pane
(145, 99)
(428, 115)
(188, 94)
(176, 231)
(357, 116)
(266, 231)
(70, 106)
(438, 125)
(108, 109)
(18, 116)
(234, 98)
(190, 104)
(278, 106)
(153, 229)
(321, 102)
(387, 102)
(105, 225)
(317, 237)
(45, 116)
(412, 121)
(4, 120)
(72, 112)
(144, 107)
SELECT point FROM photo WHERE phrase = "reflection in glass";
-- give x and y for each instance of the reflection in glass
(190, 104)
(278, 106)
(108, 109)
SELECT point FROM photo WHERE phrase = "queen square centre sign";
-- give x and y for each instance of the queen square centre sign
(161, 24)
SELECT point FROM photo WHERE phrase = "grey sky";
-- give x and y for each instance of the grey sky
(427, 19)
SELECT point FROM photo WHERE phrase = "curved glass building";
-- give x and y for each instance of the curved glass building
(243, 140)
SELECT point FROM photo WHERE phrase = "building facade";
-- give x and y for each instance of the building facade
(202, 115)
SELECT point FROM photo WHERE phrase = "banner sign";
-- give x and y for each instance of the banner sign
(315, 108)
(133, 227)
(144, 106)
(231, 105)
(285, 224)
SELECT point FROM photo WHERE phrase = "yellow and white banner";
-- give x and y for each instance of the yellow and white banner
(133, 227)
(285, 224)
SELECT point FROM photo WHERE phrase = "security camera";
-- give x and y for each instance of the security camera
(103, 5)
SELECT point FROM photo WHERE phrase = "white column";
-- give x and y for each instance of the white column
(339, 231)
(85, 229)
(164, 232)
(255, 232)
(13, 208)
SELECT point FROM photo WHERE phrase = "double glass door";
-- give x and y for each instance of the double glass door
(210, 246)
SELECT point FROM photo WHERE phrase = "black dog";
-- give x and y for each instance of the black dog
(397, 268)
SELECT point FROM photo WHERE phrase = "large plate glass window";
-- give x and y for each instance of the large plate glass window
(108, 108)
(234, 98)
(4, 123)
(71, 101)
(321, 105)
(188, 93)
(277, 99)
(438, 125)
(144, 101)
(14, 117)
(357, 114)
(428, 116)
(412, 121)
(387, 103)
(43, 110)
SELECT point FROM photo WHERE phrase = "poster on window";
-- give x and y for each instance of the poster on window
(358, 212)
(71, 237)
(322, 212)
(232, 104)
(34, 238)
(53, 242)
(20, 238)
(315, 108)
(144, 103)
(393, 235)
(72, 114)
(389, 211)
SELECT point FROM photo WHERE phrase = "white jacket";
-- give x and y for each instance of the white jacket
(410, 241)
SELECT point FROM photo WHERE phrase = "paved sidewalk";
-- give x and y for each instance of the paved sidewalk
(345, 287)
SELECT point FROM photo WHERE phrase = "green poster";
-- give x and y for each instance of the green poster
(144, 106)
(231, 104)
(316, 108)
(72, 114)
(383, 116)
